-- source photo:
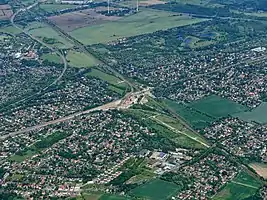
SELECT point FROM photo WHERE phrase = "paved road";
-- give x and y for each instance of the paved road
(118, 104)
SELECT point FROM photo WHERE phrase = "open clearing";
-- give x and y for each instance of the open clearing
(146, 21)
(156, 190)
(80, 59)
(260, 168)
(48, 35)
(79, 19)
(257, 115)
(217, 107)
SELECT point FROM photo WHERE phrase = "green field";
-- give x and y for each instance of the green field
(257, 115)
(181, 139)
(146, 21)
(242, 186)
(10, 29)
(156, 190)
(245, 178)
(113, 197)
(48, 35)
(116, 84)
(26, 155)
(51, 57)
(194, 118)
(55, 7)
(80, 59)
(234, 191)
(217, 107)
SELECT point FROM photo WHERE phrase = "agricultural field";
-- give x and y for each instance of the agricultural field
(194, 118)
(48, 35)
(78, 19)
(217, 107)
(146, 21)
(233, 191)
(51, 57)
(10, 29)
(257, 115)
(260, 168)
(56, 7)
(245, 178)
(155, 190)
(241, 187)
(5, 12)
(80, 59)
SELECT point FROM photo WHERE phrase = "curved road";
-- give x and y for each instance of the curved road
(44, 44)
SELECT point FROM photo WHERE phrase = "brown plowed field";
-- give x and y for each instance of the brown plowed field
(78, 19)
(5, 12)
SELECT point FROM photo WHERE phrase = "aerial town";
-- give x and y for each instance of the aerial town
(133, 100)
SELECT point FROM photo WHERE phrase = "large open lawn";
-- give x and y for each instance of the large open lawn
(146, 21)
(80, 59)
(156, 190)
(48, 35)
(256, 115)
(217, 107)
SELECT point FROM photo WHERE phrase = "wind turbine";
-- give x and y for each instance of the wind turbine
(108, 6)
(137, 5)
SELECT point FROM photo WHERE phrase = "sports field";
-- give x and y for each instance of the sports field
(48, 35)
(80, 59)
(155, 190)
(146, 21)
(257, 115)
(194, 118)
(217, 107)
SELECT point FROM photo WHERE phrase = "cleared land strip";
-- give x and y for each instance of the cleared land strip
(180, 132)
(246, 185)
